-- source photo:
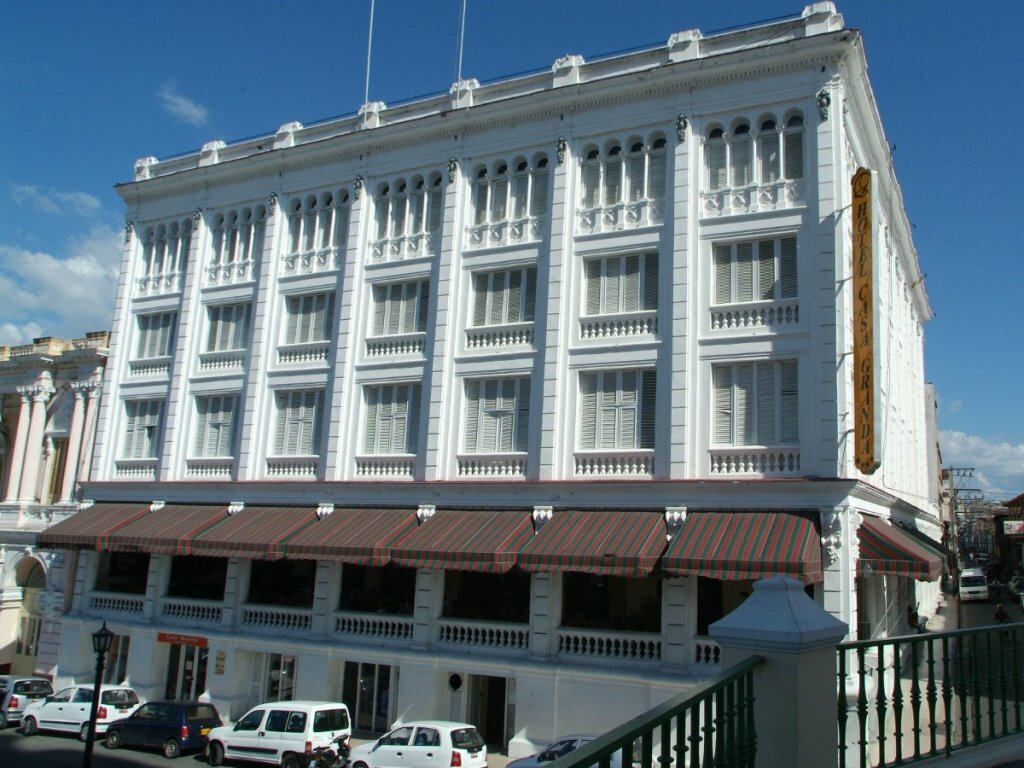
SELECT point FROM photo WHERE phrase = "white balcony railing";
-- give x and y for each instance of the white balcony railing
(286, 467)
(135, 469)
(706, 652)
(221, 362)
(622, 325)
(492, 336)
(403, 248)
(753, 198)
(483, 635)
(310, 262)
(609, 644)
(621, 463)
(492, 465)
(213, 468)
(389, 467)
(505, 233)
(396, 346)
(116, 602)
(231, 274)
(760, 314)
(277, 619)
(304, 354)
(744, 460)
(183, 610)
(154, 285)
(619, 216)
(153, 367)
(373, 626)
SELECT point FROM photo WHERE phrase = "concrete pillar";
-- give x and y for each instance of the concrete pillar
(34, 443)
(89, 428)
(797, 682)
(18, 449)
(74, 443)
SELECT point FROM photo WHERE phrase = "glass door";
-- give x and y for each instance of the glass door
(186, 671)
(367, 691)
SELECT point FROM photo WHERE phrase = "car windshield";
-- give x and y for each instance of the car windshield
(122, 697)
(973, 581)
(33, 688)
(467, 738)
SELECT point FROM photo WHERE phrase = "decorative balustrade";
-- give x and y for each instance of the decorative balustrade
(625, 646)
(741, 460)
(498, 636)
(396, 346)
(116, 602)
(755, 315)
(490, 336)
(632, 463)
(497, 465)
(231, 273)
(753, 198)
(215, 468)
(310, 262)
(232, 360)
(503, 233)
(619, 325)
(189, 611)
(284, 467)
(157, 366)
(277, 619)
(706, 652)
(304, 354)
(152, 285)
(390, 467)
(135, 469)
(620, 216)
(403, 248)
(373, 626)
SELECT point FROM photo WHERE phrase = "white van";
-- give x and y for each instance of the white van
(973, 585)
(281, 733)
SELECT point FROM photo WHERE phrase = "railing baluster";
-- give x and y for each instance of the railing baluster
(1016, 650)
(961, 687)
(862, 704)
(915, 694)
(897, 701)
(932, 696)
(880, 701)
(841, 707)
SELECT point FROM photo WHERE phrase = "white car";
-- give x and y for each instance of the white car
(69, 709)
(556, 749)
(424, 744)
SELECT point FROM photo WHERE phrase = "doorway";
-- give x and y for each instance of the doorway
(186, 671)
(367, 690)
(491, 707)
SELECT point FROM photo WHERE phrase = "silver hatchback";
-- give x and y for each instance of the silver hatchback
(18, 690)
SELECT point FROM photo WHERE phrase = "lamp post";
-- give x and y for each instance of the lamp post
(101, 640)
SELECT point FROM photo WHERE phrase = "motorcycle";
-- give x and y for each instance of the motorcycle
(328, 757)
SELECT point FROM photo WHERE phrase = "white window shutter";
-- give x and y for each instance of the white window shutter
(613, 285)
(434, 209)
(539, 193)
(716, 164)
(766, 269)
(766, 399)
(794, 153)
(202, 425)
(473, 416)
(588, 411)
(648, 409)
(787, 268)
(415, 392)
(593, 268)
(650, 298)
(591, 183)
(514, 312)
(631, 283)
(745, 404)
(522, 415)
(499, 298)
(608, 393)
(768, 148)
(371, 397)
(789, 430)
(613, 180)
(530, 298)
(740, 150)
(380, 309)
(723, 274)
(292, 310)
(422, 305)
(744, 271)
(636, 177)
(656, 175)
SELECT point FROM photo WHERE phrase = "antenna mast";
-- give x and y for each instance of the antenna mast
(369, 49)
(462, 32)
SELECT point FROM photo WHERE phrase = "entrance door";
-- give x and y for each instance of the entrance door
(491, 708)
(186, 671)
(367, 689)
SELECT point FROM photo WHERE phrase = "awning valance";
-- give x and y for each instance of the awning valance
(466, 540)
(610, 543)
(745, 545)
(168, 530)
(356, 536)
(887, 549)
(91, 527)
(257, 533)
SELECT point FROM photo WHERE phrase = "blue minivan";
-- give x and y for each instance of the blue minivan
(171, 726)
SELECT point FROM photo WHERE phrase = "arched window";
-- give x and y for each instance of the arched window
(793, 147)
(716, 155)
(768, 151)
(164, 255)
(741, 149)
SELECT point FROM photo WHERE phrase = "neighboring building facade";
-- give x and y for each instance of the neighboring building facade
(49, 404)
(465, 407)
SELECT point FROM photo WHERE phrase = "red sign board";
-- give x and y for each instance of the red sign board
(176, 639)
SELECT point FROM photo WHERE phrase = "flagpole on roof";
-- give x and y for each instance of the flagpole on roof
(369, 48)
(462, 32)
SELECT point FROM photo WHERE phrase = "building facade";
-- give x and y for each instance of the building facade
(467, 407)
(49, 405)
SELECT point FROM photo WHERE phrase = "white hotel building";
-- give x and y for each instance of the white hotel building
(486, 405)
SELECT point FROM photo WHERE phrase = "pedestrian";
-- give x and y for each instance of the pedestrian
(1002, 617)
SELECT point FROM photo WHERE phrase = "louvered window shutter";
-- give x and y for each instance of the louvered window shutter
(613, 285)
(636, 177)
(520, 195)
(215, 318)
(371, 395)
(768, 148)
(480, 283)
(281, 431)
(473, 416)
(794, 153)
(591, 183)
(787, 268)
(413, 430)
(380, 308)
(631, 283)
(131, 430)
(650, 301)
(629, 394)
(766, 399)
(226, 421)
(409, 298)
(530, 299)
(293, 306)
(386, 424)
(422, 306)
(608, 391)
(789, 430)
(523, 415)
(326, 225)
(499, 199)
(723, 274)
(740, 149)
(745, 404)
(480, 214)
(416, 202)
(744, 271)
(317, 409)
(434, 208)
(588, 411)
(295, 232)
(766, 269)
(514, 312)
(382, 208)
(656, 175)
(594, 286)
(716, 164)
(341, 228)
(613, 180)
(398, 212)
(648, 408)
(202, 425)
(499, 298)
(394, 310)
(539, 193)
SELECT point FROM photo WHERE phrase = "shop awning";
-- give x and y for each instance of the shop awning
(466, 540)
(166, 531)
(886, 549)
(610, 543)
(90, 528)
(745, 545)
(255, 532)
(356, 536)
(947, 555)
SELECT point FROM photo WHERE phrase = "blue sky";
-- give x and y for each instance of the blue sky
(89, 87)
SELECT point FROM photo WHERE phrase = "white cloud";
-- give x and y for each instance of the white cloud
(998, 465)
(47, 295)
(50, 200)
(181, 106)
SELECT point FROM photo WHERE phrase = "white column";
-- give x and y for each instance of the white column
(18, 449)
(89, 429)
(74, 441)
(34, 446)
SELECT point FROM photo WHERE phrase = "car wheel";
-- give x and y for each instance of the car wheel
(171, 749)
(216, 753)
(113, 740)
(29, 726)
(290, 761)
(83, 732)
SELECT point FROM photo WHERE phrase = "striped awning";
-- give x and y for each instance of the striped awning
(466, 540)
(885, 548)
(610, 543)
(257, 533)
(745, 545)
(166, 531)
(356, 536)
(948, 556)
(91, 527)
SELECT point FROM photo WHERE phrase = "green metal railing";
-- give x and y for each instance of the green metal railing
(712, 727)
(904, 699)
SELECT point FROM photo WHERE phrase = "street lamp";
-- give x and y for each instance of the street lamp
(101, 640)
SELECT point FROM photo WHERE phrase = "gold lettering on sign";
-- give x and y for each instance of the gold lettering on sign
(865, 437)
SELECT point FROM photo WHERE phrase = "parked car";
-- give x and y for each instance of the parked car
(281, 733)
(172, 726)
(16, 692)
(69, 710)
(556, 749)
(973, 585)
(1017, 585)
(424, 744)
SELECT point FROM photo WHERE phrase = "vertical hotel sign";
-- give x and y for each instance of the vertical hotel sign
(866, 450)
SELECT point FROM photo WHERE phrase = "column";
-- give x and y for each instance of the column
(18, 449)
(79, 389)
(34, 446)
(89, 429)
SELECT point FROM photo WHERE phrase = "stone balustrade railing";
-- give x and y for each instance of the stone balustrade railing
(609, 644)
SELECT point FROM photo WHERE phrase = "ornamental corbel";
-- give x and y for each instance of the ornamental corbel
(681, 125)
(674, 519)
(197, 216)
(831, 534)
(541, 515)
(560, 148)
(453, 169)
(824, 102)
(235, 507)
(272, 203)
(324, 509)
(357, 187)
(425, 512)
(129, 230)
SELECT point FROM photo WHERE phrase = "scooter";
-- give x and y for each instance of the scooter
(326, 757)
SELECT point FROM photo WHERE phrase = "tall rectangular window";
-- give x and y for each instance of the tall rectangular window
(392, 418)
(497, 415)
(400, 308)
(298, 428)
(142, 428)
(309, 318)
(508, 296)
(229, 327)
(215, 424)
(622, 284)
(617, 409)
(756, 404)
(755, 270)
(156, 335)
